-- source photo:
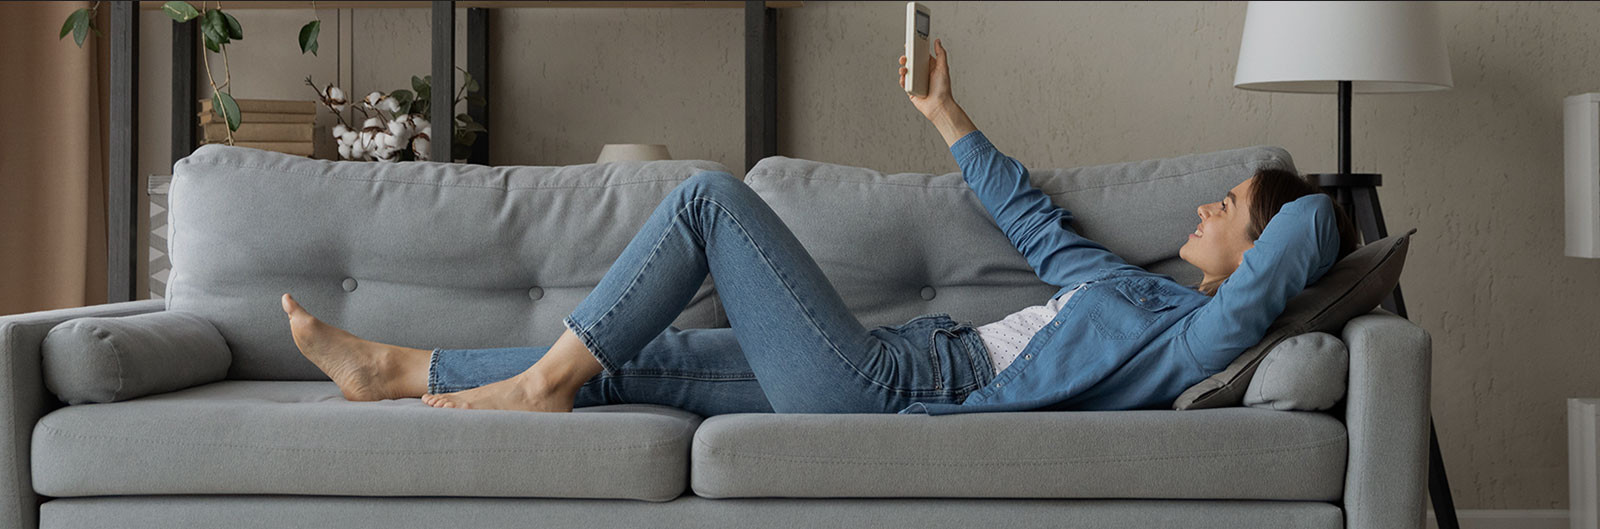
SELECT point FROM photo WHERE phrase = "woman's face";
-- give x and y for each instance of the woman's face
(1218, 244)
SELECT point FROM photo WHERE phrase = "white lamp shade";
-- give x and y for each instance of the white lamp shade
(1311, 46)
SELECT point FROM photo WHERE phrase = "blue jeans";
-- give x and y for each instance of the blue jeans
(792, 345)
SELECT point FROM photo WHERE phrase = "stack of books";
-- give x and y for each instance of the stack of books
(285, 126)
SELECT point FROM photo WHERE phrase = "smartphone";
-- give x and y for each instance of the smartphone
(917, 48)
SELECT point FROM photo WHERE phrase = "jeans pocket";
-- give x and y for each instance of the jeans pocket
(957, 373)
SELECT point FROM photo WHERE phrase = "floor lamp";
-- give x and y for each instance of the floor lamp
(1346, 47)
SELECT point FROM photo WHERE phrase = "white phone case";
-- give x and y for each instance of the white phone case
(917, 48)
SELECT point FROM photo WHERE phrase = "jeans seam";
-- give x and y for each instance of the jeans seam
(588, 343)
(433, 373)
(790, 289)
(933, 352)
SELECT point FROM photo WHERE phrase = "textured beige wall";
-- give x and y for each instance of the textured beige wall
(1477, 169)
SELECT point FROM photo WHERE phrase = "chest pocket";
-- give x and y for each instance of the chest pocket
(1130, 307)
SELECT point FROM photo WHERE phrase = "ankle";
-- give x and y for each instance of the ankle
(546, 382)
(403, 370)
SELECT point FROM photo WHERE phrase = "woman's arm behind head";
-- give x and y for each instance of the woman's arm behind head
(1298, 246)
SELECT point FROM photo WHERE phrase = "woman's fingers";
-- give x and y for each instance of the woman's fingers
(902, 59)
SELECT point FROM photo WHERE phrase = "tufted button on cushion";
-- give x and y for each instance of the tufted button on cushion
(535, 293)
(349, 284)
(927, 293)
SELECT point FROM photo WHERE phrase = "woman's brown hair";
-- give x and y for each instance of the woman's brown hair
(1274, 188)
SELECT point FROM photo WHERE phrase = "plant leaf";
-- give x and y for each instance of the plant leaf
(212, 44)
(416, 84)
(214, 24)
(230, 110)
(180, 11)
(72, 21)
(235, 31)
(475, 99)
(308, 36)
(80, 30)
(472, 84)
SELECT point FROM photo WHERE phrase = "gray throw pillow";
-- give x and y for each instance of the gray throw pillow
(1304, 372)
(1352, 287)
(89, 360)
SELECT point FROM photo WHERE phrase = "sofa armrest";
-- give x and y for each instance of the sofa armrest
(23, 399)
(1387, 415)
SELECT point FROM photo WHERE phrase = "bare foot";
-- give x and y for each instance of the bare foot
(524, 392)
(363, 369)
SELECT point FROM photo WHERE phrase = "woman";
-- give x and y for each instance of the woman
(1114, 337)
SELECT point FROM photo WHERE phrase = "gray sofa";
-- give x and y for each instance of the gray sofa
(436, 255)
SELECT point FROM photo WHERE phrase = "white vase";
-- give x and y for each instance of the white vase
(632, 152)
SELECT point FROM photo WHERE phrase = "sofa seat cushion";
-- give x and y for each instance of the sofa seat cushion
(1223, 453)
(274, 437)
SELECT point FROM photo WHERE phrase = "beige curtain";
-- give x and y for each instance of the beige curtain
(53, 122)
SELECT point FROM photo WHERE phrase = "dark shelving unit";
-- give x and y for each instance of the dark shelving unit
(761, 101)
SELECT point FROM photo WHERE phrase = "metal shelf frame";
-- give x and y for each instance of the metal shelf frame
(761, 96)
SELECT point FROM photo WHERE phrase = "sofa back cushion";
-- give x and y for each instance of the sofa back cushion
(901, 245)
(416, 254)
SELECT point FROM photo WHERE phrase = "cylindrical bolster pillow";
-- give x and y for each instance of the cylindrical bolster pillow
(1303, 372)
(90, 360)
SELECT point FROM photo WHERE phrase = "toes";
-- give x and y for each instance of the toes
(290, 307)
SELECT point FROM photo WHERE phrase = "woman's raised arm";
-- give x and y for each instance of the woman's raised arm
(1036, 226)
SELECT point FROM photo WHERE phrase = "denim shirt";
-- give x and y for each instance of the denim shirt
(1131, 338)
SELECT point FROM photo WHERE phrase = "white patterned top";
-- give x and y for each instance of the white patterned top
(1006, 338)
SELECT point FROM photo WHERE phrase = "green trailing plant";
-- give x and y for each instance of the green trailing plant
(218, 28)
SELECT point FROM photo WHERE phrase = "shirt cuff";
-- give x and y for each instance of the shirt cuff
(974, 142)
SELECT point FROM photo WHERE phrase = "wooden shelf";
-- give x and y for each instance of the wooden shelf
(156, 4)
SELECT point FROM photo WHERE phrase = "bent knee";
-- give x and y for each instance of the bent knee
(713, 183)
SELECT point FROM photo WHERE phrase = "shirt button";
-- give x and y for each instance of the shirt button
(1141, 300)
(1058, 324)
(999, 384)
(1027, 357)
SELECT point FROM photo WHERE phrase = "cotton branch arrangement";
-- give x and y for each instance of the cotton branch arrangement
(395, 126)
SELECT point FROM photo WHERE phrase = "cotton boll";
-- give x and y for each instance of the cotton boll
(350, 138)
(339, 130)
(335, 97)
(392, 141)
(389, 105)
(344, 151)
(420, 122)
(398, 128)
(372, 99)
(372, 124)
(419, 147)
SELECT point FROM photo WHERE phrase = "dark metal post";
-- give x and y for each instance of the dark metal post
(761, 82)
(1358, 195)
(478, 68)
(184, 103)
(121, 211)
(1344, 127)
(442, 105)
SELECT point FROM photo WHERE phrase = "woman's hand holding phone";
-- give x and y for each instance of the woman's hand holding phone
(939, 106)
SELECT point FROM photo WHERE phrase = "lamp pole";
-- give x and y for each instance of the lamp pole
(1357, 193)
